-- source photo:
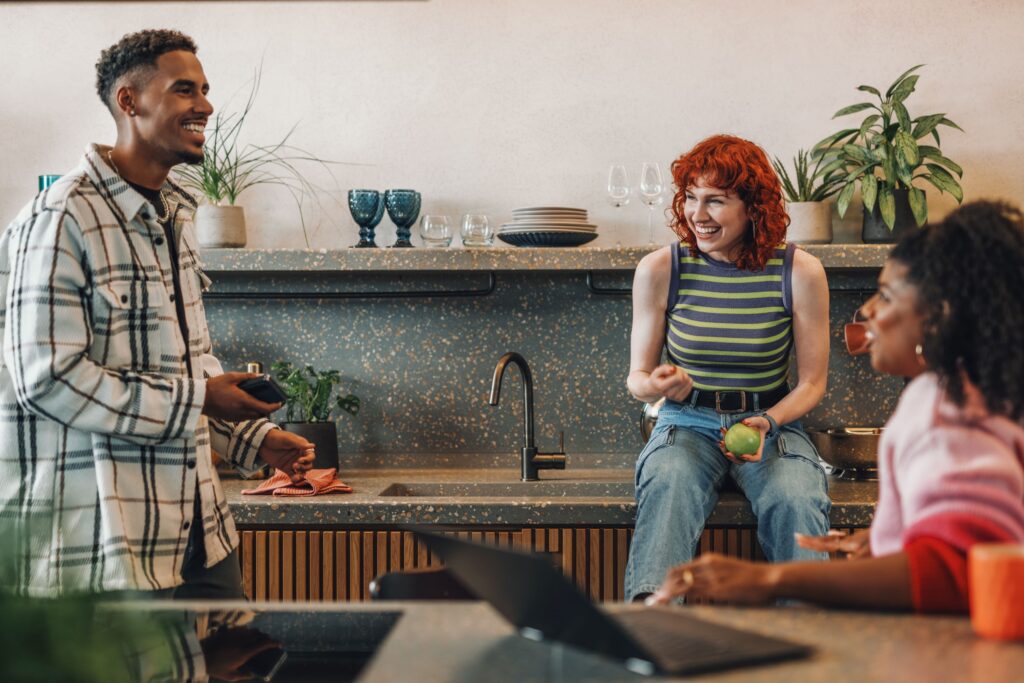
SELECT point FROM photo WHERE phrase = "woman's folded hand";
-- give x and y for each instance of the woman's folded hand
(855, 545)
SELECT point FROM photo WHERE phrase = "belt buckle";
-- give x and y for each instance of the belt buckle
(726, 411)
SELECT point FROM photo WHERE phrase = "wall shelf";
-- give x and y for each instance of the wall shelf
(833, 257)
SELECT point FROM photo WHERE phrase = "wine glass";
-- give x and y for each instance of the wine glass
(476, 230)
(404, 208)
(618, 186)
(367, 209)
(435, 230)
(651, 188)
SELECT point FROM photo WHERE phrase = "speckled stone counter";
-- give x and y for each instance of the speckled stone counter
(837, 256)
(439, 642)
(472, 644)
(416, 333)
(495, 497)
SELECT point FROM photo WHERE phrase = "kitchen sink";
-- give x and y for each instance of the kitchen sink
(517, 489)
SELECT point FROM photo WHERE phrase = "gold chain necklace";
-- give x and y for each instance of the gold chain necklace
(163, 199)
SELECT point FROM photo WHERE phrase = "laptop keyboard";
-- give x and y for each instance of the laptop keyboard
(673, 637)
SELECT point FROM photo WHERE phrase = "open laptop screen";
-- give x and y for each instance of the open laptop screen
(534, 596)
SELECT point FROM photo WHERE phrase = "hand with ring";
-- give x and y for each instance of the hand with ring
(719, 578)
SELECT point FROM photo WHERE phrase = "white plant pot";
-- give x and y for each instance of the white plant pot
(809, 222)
(220, 226)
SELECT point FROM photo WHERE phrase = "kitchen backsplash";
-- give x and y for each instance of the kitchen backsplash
(423, 365)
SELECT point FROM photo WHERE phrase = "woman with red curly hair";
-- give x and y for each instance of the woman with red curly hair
(727, 303)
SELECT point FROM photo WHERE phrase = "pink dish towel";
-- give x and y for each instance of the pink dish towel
(315, 483)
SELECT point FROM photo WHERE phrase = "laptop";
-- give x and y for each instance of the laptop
(538, 599)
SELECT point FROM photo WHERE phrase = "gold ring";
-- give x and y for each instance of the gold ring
(688, 577)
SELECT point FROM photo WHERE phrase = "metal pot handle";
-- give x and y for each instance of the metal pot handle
(649, 417)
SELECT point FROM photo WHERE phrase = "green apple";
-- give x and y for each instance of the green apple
(742, 440)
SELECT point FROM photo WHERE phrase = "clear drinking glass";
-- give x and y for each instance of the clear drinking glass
(618, 186)
(436, 230)
(651, 188)
(476, 230)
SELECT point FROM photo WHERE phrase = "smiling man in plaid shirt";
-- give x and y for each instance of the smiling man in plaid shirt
(111, 400)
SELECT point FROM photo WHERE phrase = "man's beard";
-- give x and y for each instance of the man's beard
(191, 158)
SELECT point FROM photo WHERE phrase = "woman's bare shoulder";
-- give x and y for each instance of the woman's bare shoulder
(807, 269)
(653, 273)
(658, 260)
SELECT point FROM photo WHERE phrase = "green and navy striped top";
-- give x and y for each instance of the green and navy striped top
(730, 328)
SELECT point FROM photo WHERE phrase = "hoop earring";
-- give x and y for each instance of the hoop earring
(919, 352)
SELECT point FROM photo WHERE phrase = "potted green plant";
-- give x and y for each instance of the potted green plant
(810, 216)
(311, 395)
(885, 156)
(229, 168)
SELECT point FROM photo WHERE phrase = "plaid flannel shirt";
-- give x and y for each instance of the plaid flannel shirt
(100, 419)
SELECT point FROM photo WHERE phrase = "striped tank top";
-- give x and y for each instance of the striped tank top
(730, 328)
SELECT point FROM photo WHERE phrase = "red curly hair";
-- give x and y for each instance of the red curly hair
(731, 163)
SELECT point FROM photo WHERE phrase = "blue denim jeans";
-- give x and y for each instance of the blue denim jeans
(678, 478)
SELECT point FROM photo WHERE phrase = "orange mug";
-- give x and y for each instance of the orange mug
(995, 573)
(855, 335)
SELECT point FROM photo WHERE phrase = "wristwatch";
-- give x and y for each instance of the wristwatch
(773, 426)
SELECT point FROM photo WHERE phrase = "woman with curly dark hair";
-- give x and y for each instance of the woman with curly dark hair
(952, 457)
(728, 303)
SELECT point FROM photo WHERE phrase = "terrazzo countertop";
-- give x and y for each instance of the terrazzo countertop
(469, 642)
(833, 256)
(496, 497)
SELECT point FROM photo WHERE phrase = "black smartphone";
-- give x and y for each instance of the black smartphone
(263, 388)
(265, 664)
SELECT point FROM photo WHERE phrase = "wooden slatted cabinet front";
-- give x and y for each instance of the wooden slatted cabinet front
(338, 565)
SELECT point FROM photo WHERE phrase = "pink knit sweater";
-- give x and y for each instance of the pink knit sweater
(941, 465)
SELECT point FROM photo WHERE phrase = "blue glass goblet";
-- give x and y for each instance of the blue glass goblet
(367, 209)
(46, 180)
(403, 208)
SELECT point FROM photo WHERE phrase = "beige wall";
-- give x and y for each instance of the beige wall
(486, 105)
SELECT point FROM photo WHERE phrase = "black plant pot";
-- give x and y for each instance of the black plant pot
(323, 435)
(875, 231)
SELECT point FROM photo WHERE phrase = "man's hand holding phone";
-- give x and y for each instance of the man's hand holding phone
(263, 388)
(226, 400)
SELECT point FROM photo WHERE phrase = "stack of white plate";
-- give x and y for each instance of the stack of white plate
(548, 226)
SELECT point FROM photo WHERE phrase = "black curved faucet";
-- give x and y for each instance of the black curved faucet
(533, 461)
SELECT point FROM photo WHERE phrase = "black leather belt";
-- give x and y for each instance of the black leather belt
(737, 401)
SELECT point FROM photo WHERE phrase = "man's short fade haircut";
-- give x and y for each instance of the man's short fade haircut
(135, 55)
